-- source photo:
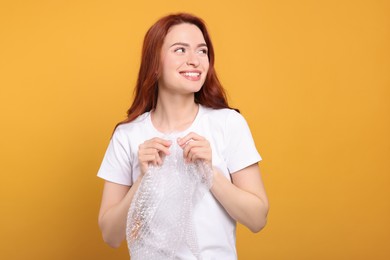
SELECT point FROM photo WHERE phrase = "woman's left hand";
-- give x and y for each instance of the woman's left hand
(195, 147)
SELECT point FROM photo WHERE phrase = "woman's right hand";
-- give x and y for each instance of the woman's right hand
(152, 151)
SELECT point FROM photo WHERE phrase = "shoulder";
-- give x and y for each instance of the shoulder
(132, 126)
(133, 130)
(221, 113)
(224, 124)
(224, 116)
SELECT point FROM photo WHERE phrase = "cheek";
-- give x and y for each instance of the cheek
(205, 63)
(206, 66)
(168, 66)
(172, 65)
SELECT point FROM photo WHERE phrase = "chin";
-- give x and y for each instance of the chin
(195, 90)
(191, 88)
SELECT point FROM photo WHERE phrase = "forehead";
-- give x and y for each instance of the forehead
(184, 33)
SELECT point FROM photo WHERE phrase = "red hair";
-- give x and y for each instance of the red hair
(210, 95)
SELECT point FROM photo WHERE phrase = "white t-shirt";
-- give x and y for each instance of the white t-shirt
(233, 149)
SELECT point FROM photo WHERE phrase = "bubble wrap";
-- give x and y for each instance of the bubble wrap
(160, 217)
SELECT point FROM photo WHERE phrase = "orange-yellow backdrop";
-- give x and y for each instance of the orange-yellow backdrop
(312, 79)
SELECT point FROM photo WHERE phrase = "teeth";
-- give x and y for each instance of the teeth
(191, 74)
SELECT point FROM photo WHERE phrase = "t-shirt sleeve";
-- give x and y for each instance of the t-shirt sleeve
(116, 164)
(241, 150)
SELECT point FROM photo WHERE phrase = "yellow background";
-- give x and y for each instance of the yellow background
(312, 79)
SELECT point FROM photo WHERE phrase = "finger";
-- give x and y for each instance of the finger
(146, 159)
(149, 155)
(148, 150)
(191, 155)
(191, 136)
(192, 144)
(156, 146)
(198, 153)
(158, 160)
(188, 147)
(161, 141)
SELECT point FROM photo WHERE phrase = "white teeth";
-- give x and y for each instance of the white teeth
(191, 74)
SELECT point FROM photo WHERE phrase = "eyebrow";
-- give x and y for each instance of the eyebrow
(187, 45)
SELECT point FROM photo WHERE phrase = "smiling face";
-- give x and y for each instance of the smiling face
(184, 60)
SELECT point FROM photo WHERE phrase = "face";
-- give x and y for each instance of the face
(184, 60)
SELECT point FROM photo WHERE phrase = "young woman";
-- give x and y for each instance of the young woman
(178, 91)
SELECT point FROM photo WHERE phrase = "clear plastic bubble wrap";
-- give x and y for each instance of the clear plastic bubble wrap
(160, 217)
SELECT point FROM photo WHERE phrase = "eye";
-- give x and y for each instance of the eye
(180, 50)
(203, 51)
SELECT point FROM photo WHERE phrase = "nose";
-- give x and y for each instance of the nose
(192, 60)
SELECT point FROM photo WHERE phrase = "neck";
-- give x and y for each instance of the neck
(174, 114)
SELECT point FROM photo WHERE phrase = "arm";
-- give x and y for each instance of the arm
(113, 211)
(245, 199)
(117, 198)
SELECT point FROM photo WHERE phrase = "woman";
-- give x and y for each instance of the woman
(178, 91)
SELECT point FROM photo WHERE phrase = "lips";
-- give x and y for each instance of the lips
(191, 75)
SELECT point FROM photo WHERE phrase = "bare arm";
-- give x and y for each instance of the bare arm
(113, 211)
(245, 199)
(117, 198)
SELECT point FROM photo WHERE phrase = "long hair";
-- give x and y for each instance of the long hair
(210, 95)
